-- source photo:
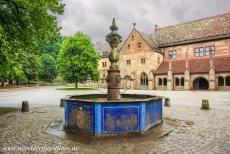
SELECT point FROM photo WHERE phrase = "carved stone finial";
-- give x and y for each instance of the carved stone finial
(113, 27)
(134, 25)
(113, 38)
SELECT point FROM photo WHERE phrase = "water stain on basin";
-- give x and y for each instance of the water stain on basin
(57, 128)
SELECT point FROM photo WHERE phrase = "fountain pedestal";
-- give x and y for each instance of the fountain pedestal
(114, 81)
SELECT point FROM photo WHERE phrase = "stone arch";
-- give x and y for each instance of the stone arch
(160, 83)
(227, 81)
(182, 81)
(134, 78)
(165, 82)
(144, 79)
(127, 82)
(133, 75)
(177, 81)
(220, 81)
(200, 83)
(127, 77)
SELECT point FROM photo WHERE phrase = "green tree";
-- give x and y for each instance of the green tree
(78, 59)
(31, 67)
(24, 25)
(5, 56)
(50, 47)
(48, 70)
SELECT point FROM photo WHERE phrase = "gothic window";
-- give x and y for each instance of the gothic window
(104, 64)
(182, 81)
(199, 52)
(139, 44)
(177, 82)
(227, 81)
(128, 62)
(172, 54)
(165, 82)
(160, 82)
(142, 60)
(220, 81)
(209, 49)
(144, 79)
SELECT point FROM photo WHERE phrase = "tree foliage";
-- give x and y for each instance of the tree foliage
(78, 59)
(48, 70)
(24, 25)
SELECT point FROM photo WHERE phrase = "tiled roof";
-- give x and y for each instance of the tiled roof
(104, 47)
(222, 64)
(198, 65)
(198, 30)
(149, 40)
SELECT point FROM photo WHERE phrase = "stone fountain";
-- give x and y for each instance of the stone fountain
(114, 113)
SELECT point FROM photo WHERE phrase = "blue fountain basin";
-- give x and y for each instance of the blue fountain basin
(94, 115)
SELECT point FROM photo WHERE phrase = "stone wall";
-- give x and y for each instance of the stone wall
(222, 47)
(137, 58)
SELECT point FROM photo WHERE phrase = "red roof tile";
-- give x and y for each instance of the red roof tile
(198, 65)
(198, 30)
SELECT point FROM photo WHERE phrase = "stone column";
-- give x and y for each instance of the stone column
(212, 74)
(187, 80)
(187, 74)
(114, 84)
(170, 77)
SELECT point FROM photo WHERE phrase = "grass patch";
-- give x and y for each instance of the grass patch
(76, 88)
(4, 110)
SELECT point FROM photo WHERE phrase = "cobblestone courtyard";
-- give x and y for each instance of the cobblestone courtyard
(198, 132)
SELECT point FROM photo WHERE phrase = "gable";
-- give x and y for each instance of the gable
(138, 42)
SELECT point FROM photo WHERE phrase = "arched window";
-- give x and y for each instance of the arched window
(182, 81)
(127, 77)
(220, 81)
(139, 44)
(132, 37)
(160, 82)
(144, 79)
(227, 81)
(177, 82)
(165, 82)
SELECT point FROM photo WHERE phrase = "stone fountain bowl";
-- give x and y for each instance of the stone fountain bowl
(95, 115)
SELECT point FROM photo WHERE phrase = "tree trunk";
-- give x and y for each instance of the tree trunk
(10, 81)
(2, 84)
(76, 84)
(17, 82)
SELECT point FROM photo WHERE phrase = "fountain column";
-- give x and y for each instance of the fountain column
(113, 78)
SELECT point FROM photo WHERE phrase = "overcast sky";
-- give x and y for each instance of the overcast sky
(94, 17)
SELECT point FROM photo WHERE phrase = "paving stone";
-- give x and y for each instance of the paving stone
(199, 132)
